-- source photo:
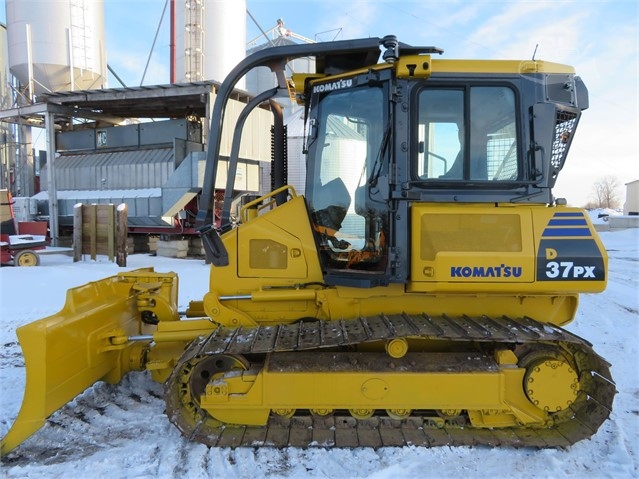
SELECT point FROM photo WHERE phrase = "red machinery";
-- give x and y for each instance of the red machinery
(19, 241)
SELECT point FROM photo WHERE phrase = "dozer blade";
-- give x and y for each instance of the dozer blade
(69, 351)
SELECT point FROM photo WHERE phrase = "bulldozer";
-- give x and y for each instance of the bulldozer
(415, 293)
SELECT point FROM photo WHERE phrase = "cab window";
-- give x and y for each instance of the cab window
(347, 153)
(467, 133)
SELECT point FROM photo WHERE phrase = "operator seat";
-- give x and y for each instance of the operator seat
(330, 205)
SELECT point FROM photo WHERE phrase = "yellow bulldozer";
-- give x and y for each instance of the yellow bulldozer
(414, 294)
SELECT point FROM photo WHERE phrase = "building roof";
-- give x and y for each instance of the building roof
(156, 101)
(177, 100)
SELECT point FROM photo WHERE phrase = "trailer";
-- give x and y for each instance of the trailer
(20, 242)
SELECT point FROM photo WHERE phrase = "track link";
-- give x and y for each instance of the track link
(580, 421)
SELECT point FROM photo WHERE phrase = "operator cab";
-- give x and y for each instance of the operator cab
(382, 138)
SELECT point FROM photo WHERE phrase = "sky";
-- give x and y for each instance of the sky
(599, 38)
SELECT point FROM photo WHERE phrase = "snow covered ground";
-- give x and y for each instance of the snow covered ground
(120, 431)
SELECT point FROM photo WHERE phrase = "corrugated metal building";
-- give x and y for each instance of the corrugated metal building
(631, 206)
(155, 167)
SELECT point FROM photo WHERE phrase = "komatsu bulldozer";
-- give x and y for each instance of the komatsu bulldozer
(414, 294)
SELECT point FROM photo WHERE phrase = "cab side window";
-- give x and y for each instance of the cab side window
(467, 133)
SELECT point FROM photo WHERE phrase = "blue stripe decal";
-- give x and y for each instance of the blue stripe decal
(557, 215)
(568, 222)
(566, 232)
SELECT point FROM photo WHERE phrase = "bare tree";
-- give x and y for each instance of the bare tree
(605, 193)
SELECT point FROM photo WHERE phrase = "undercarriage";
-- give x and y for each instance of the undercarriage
(390, 381)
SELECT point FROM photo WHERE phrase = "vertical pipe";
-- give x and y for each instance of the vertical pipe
(49, 125)
(70, 46)
(23, 175)
(172, 42)
(103, 65)
(30, 61)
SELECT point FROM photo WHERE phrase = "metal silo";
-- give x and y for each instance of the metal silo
(57, 45)
(210, 38)
(262, 78)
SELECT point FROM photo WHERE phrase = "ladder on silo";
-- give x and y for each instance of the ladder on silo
(80, 34)
(194, 40)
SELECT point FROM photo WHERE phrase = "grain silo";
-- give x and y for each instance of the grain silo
(209, 39)
(56, 45)
(262, 78)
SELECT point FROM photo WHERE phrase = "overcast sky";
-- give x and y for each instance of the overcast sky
(599, 38)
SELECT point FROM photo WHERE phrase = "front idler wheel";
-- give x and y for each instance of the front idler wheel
(182, 393)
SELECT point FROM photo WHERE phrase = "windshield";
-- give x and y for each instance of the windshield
(348, 149)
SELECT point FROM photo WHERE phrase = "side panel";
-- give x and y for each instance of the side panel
(272, 257)
(278, 244)
(471, 244)
(481, 248)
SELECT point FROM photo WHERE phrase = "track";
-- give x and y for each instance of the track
(580, 421)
